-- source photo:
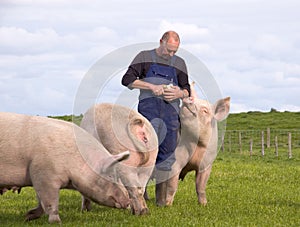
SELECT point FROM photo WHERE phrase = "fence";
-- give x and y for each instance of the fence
(249, 140)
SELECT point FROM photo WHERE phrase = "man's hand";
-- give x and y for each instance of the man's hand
(157, 89)
(172, 92)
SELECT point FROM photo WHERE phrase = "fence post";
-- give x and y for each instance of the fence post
(229, 142)
(276, 146)
(240, 141)
(251, 146)
(268, 137)
(262, 144)
(290, 145)
(222, 146)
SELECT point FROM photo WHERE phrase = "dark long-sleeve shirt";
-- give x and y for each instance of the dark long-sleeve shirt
(142, 62)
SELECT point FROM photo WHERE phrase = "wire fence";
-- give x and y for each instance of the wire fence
(261, 140)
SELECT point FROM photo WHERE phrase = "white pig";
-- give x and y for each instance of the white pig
(51, 154)
(120, 128)
(197, 147)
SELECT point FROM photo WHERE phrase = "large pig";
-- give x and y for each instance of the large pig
(120, 128)
(197, 148)
(51, 154)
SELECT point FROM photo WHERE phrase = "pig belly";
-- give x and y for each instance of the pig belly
(14, 176)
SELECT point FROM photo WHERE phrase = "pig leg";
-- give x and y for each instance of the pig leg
(3, 190)
(146, 196)
(201, 181)
(86, 204)
(49, 200)
(172, 185)
(165, 191)
(47, 190)
(161, 187)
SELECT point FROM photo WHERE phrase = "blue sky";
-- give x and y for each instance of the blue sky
(47, 47)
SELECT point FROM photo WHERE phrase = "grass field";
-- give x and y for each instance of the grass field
(242, 191)
(255, 120)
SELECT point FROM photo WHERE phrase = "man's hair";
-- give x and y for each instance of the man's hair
(169, 34)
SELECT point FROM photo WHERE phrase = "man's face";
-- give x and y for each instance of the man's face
(169, 48)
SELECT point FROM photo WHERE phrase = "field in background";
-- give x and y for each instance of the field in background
(252, 120)
(255, 120)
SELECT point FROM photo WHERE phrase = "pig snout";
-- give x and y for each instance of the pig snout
(120, 199)
(122, 204)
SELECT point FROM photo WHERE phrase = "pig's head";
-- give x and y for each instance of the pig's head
(100, 180)
(116, 194)
(200, 128)
(199, 117)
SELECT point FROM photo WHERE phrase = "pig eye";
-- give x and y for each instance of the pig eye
(204, 110)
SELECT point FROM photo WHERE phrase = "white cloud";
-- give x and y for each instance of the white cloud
(270, 46)
(46, 47)
(18, 40)
(190, 33)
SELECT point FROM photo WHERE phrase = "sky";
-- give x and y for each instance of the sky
(49, 47)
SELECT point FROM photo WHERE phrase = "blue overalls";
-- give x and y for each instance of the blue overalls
(163, 115)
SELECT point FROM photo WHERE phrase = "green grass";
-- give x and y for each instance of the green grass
(262, 120)
(71, 118)
(242, 191)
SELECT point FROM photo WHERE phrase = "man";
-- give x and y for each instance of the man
(162, 79)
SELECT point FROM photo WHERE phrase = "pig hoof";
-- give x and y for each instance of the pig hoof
(169, 203)
(203, 201)
(54, 218)
(86, 208)
(86, 205)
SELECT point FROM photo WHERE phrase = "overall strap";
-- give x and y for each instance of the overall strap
(173, 59)
(153, 56)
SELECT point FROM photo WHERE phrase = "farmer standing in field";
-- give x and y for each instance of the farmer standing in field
(162, 79)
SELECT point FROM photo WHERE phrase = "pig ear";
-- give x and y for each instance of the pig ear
(122, 156)
(113, 159)
(222, 107)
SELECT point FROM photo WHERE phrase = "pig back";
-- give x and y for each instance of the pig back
(27, 141)
(45, 142)
(112, 125)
